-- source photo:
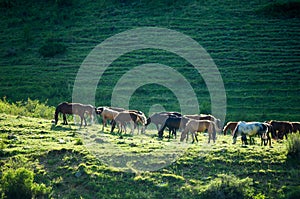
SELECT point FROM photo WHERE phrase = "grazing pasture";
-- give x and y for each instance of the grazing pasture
(60, 160)
(255, 45)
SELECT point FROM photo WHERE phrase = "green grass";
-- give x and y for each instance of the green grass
(62, 161)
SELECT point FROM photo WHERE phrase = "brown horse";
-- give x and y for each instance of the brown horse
(195, 126)
(133, 117)
(229, 126)
(296, 127)
(73, 108)
(108, 113)
(281, 128)
(207, 117)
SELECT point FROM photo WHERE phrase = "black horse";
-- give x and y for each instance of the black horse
(173, 123)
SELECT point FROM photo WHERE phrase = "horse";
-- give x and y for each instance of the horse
(160, 118)
(107, 114)
(73, 108)
(296, 127)
(229, 126)
(251, 129)
(265, 136)
(195, 126)
(133, 117)
(173, 123)
(281, 128)
(206, 117)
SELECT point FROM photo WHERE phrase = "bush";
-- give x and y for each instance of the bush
(228, 186)
(293, 145)
(18, 184)
(52, 48)
(30, 108)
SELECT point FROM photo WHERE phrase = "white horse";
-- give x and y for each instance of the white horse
(251, 129)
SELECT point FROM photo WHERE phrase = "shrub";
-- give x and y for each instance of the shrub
(30, 108)
(228, 186)
(19, 184)
(293, 145)
(52, 48)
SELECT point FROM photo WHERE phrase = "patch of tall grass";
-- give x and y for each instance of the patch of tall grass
(229, 186)
(20, 184)
(30, 108)
(293, 145)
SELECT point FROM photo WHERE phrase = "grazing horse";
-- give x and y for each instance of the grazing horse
(281, 128)
(195, 126)
(160, 118)
(251, 129)
(296, 127)
(173, 123)
(73, 108)
(107, 114)
(229, 126)
(206, 117)
(265, 137)
(132, 117)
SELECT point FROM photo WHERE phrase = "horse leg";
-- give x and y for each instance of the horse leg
(65, 122)
(214, 136)
(132, 127)
(83, 118)
(269, 139)
(193, 135)
(103, 123)
(113, 125)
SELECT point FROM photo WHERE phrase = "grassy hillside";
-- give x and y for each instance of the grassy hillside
(255, 45)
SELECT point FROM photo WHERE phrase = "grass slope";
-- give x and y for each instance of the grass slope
(255, 45)
(60, 160)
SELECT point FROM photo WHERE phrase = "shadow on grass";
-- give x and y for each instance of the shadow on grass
(67, 169)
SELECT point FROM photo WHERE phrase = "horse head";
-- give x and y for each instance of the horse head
(148, 121)
(183, 134)
(99, 110)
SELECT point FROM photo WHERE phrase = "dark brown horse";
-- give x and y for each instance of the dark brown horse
(160, 118)
(75, 109)
(229, 126)
(281, 128)
(296, 127)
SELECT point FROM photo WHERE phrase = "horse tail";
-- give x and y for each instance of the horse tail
(57, 111)
(225, 129)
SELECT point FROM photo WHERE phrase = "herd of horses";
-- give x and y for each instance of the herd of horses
(175, 121)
